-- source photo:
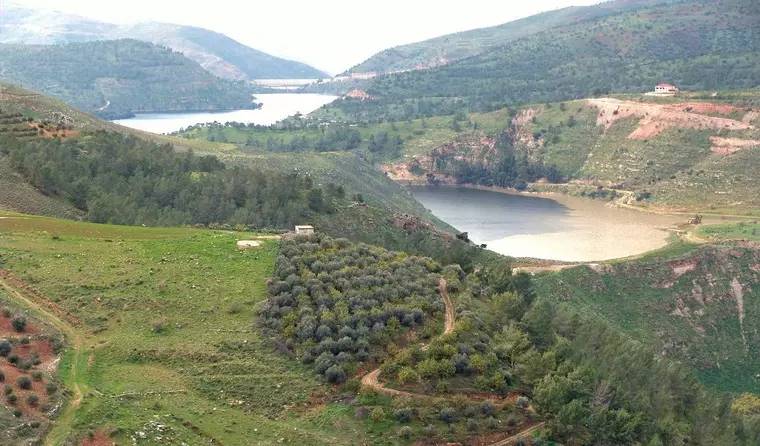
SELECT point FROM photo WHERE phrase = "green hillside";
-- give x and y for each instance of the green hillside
(452, 47)
(697, 45)
(118, 78)
(698, 307)
(217, 53)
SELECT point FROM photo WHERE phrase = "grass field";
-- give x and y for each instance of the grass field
(168, 310)
(749, 230)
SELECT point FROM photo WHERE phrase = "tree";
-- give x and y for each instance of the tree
(447, 415)
(19, 324)
(24, 382)
(5, 347)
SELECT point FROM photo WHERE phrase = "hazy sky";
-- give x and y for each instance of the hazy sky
(330, 34)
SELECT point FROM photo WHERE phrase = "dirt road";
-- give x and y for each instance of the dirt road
(371, 378)
(76, 340)
(508, 441)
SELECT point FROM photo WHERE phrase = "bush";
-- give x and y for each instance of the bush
(521, 441)
(33, 400)
(2, 376)
(447, 415)
(377, 414)
(158, 326)
(472, 425)
(403, 415)
(17, 413)
(51, 388)
(13, 358)
(361, 413)
(429, 431)
(6, 312)
(335, 374)
(486, 408)
(37, 376)
(24, 382)
(511, 420)
(8, 389)
(25, 340)
(491, 423)
(522, 402)
(5, 347)
(405, 432)
(470, 412)
(19, 324)
(12, 398)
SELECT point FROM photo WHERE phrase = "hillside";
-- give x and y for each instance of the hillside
(217, 53)
(698, 307)
(339, 193)
(452, 47)
(121, 77)
(695, 152)
(696, 44)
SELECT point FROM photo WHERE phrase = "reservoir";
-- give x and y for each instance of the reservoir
(556, 228)
(276, 107)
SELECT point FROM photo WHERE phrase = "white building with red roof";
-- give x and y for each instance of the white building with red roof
(666, 89)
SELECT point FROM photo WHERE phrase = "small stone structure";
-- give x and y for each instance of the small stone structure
(245, 244)
(305, 229)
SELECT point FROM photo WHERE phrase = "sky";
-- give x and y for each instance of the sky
(332, 35)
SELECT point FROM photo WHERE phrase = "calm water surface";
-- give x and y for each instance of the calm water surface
(276, 107)
(556, 228)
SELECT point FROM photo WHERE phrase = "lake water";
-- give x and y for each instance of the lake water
(556, 228)
(276, 107)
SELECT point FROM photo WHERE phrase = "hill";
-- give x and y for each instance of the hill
(446, 49)
(217, 53)
(152, 356)
(120, 77)
(339, 193)
(698, 307)
(697, 45)
(694, 152)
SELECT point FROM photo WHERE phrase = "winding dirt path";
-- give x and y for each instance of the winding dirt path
(76, 341)
(509, 440)
(371, 378)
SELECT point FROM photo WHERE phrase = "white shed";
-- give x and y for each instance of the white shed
(305, 229)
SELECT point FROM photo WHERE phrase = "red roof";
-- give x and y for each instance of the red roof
(666, 85)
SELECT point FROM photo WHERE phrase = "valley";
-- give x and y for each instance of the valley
(539, 233)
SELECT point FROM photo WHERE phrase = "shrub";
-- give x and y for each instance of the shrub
(158, 326)
(443, 386)
(25, 340)
(511, 420)
(447, 415)
(472, 425)
(8, 389)
(2, 376)
(521, 441)
(377, 414)
(405, 432)
(19, 324)
(491, 423)
(37, 376)
(5, 347)
(486, 408)
(6, 312)
(12, 398)
(522, 402)
(51, 388)
(33, 400)
(429, 431)
(24, 382)
(361, 413)
(17, 413)
(13, 358)
(335, 374)
(403, 415)
(470, 412)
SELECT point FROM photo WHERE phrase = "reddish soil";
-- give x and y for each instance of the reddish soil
(7, 330)
(50, 132)
(31, 292)
(656, 118)
(99, 439)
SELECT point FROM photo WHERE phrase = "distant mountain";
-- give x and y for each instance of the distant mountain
(696, 44)
(215, 52)
(116, 78)
(451, 47)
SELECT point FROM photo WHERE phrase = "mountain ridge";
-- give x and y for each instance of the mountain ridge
(215, 52)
